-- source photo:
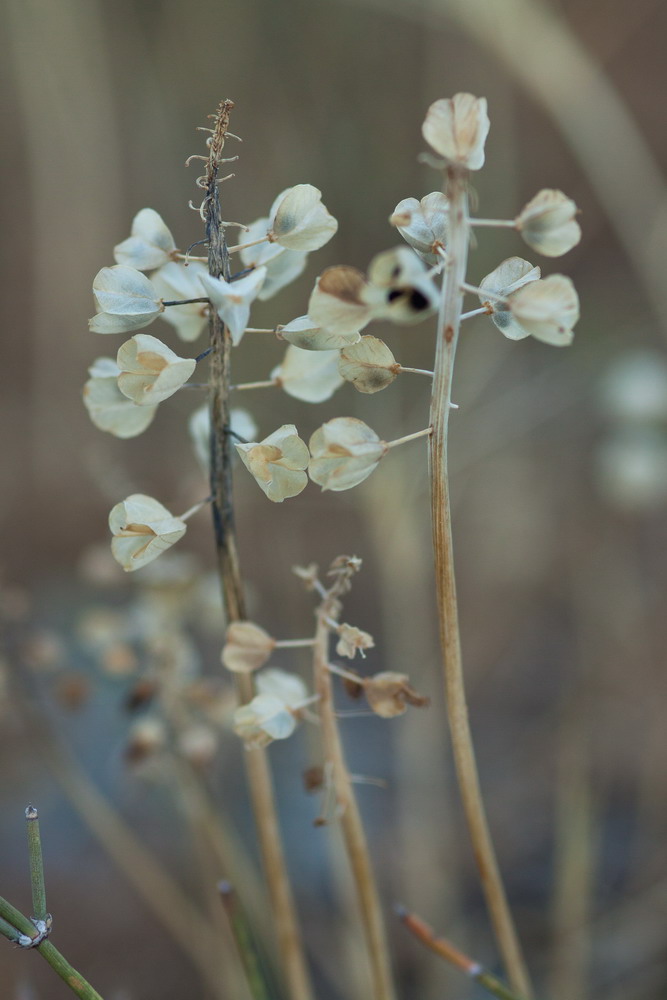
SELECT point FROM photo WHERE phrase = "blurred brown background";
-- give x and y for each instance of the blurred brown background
(559, 464)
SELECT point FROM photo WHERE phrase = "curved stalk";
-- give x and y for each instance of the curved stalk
(352, 829)
(449, 319)
(257, 767)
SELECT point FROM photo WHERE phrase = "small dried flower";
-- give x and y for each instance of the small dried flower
(125, 299)
(389, 694)
(457, 129)
(150, 371)
(142, 530)
(108, 408)
(151, 244)
(176, 281)
(264, 719)
(278, 463)
(304, 333)
(309, 575)
(508, 277)
(299, 220)
(282, 266)
(368, 365)
(344, 452)
(247, 647)
(232, 299)
(423, 224)
(547, 309)
(352, 640)
(547, 223)
(308, 375)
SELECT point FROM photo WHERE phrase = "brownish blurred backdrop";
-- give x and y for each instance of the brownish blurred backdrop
(559, 467)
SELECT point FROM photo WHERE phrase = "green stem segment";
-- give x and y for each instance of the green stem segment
(259, 778)
(244, 942)
(14, 925)
(445, 949)
(449, 320)
(36, 865)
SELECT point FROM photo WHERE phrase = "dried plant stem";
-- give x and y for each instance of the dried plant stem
(464, 755)
(445, 949)
(350, 819)
(259, 779)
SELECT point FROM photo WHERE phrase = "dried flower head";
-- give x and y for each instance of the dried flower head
(344, 452)
(150, 371)
(548, 225)
(125, 299)
(151, 244)
(299, 220)
(368, 365)
(247, 647)
(508, 277)
(304, 333)
(278, 463)
(389, 694)
(457, 129)
(423, 224)
(308, 375)
(547, 309)
(108, 408)
(142, 530)
(352, 640)
(232, 299)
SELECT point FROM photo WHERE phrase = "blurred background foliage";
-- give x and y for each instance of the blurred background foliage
(559, 465)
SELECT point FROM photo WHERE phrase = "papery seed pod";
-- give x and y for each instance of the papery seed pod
(232, 299)
(142, 530)
(457, 128)
(508, 277)
(247, 647)
(150, 245)
(339, 300)
(304, 333)
(311, 376)
(369, 365)
(389, 694)
(344, 451)
(176, 281)
(125, 299)
(282, 266)
(400, 286)
(423, 224)
(548, 309)
(150, 371)
(547, 223)
(289, 688)
(277, 463)
(110, 410)
(299, 219)
(262, 720)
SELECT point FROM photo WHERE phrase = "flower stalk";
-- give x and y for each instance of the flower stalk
(259, 778)
(449, 319)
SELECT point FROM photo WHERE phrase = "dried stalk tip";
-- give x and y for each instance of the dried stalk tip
(457, 129)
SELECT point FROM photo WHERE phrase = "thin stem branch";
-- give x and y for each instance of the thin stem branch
(350, 819)
(449, 319)
(415, 371)
(255, 385)
(245, 944)
(409, 437)
(445, 949)
(494, 223)
(483, 310)
(186, 302)
(259, 779)
(246, 246)
(36, 865)
(293, 643)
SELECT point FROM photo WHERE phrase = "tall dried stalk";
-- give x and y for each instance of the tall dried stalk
(448, 619)
(352, 829)
(259, 778)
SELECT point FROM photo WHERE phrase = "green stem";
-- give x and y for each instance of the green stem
(36, 865)
(244, 942)
(449, 320)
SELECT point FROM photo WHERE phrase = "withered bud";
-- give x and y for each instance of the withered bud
(313, 779)
(389, 694)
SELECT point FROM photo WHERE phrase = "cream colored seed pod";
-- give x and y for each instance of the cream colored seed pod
(299, 220)
(344, 451)
(142, 530)
(150, 244)
(548, 309)
(369, 365)
(548, 225)
(457, 128)
(389, 694)
(232, 299)
(125, 299)
(507, 278)
(277, 463)
(423, 224)
(311, 376)
(176, 281)
(247, 647)
(304, 333)
(150, 372)
(108, 408)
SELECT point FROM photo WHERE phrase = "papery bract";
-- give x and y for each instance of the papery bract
(369, 365)
(282, 266)
(247, 647)
(423, 224)
(547, 309)
(548, 225)
(150, 371)
(142, 530)
(338, 301)
(306, 334)
(125, 298)
(151, 244)
(110, 410)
